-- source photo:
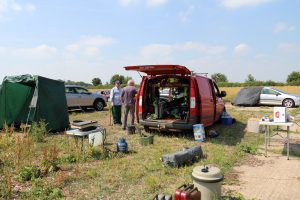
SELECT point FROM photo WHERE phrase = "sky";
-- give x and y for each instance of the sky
(80, 40)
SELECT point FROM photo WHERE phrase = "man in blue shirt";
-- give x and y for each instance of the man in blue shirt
(116, 101)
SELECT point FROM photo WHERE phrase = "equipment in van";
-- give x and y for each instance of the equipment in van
(184, 157)
(173, 98)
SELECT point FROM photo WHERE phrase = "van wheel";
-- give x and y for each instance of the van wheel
(98, 105)
(289, 103)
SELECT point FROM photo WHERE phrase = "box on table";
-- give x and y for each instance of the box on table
(280, 114)
(253, 125)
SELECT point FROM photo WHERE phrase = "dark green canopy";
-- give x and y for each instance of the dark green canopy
(33, 98)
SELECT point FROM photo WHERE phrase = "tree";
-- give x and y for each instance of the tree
(293, 77)
(116, 77)
(250, 78)
(219, 77)
(96, 81)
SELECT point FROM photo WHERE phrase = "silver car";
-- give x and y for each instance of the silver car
(79, 97)
(271, 96)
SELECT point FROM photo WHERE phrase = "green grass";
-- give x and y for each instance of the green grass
(106, 174)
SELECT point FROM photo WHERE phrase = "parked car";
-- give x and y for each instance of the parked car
(105, 93)
(271, 96)
(79, 97)
(171, 97)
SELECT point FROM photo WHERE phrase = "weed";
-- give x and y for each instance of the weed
(234, 196)
(38, 131)
(152, 184)
(50, 159)
(70, 158)
(43, 191)
(29, 172)
(248, 149)
(6, 185)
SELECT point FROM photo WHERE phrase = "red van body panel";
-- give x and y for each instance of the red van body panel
(205, 105)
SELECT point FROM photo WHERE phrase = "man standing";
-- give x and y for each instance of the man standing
(128, 98)
(116, 102)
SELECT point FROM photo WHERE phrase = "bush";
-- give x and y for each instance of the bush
(27, 173)
(38, 131)
(43, 191)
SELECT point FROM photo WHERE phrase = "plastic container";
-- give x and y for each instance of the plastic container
(208, 181)
(122, 146)
(146, 140)
(199, 132)
(227, 120)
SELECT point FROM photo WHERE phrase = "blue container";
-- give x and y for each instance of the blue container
(199, 132)
(227, 120)
(122, 146)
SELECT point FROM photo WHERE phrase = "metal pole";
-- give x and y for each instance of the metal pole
(288, 143)
(266, 141)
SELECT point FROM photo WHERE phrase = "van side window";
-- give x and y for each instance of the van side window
(216, 89)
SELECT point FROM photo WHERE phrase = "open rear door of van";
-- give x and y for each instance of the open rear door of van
(154, 70)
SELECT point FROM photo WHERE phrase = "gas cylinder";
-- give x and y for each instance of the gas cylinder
(122, 146)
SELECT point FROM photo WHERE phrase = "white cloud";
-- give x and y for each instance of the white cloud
(36, 52)
(289, 48)
(282, 26)
(184, 15)
(89, 45)
(242, 48)
(204, 48)
(162, 53)
(39, 52)
(243, 3)
(156, 2)
(151, 3)
(14, 6)
(128, 2)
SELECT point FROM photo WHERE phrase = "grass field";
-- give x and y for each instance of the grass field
(53, 167)
(65, 172)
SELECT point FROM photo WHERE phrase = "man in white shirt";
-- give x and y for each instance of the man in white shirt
(116, 101)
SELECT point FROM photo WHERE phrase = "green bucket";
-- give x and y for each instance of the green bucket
(146, 140)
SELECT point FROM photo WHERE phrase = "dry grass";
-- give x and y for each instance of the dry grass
(137, 175)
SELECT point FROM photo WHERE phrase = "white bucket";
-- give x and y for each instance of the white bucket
(199, 132)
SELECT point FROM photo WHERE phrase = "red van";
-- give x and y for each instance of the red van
(171, 97)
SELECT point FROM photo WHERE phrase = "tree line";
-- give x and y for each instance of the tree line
(222, 81)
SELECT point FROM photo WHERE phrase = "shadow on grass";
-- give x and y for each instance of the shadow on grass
(294, 149)
(229, 134)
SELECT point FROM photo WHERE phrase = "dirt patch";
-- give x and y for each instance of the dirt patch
(272, 177)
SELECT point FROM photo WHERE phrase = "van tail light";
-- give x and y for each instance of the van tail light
(140, 107)
(193, 102)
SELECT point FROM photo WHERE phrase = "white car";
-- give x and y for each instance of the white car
(79, 97)
(271, 96)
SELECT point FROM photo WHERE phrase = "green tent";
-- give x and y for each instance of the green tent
(26, 98)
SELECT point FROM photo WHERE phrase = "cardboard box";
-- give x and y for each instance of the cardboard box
(280, 114)
(253, 125)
